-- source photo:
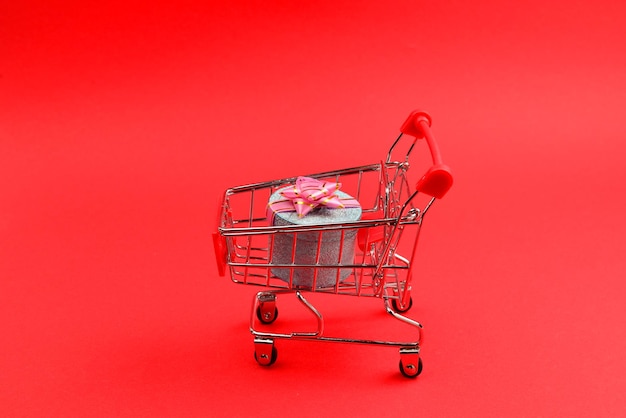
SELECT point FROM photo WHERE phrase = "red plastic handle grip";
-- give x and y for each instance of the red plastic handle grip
(438, 179)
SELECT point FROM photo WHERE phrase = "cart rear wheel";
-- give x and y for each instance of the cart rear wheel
(410, 370)
(398, 308)
(265, 360)
(267, 316)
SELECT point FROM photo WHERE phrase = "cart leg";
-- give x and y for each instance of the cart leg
(264, 351)
(267, 312)
(410, 362)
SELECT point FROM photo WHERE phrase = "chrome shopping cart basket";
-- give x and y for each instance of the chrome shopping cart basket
(373, 255)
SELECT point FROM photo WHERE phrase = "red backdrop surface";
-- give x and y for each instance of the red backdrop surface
(122, 123)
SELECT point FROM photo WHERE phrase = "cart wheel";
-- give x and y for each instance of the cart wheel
(410, 371)
(267, 316)
(266, 360)
(396, 307)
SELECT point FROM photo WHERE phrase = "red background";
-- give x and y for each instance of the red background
(121, 124)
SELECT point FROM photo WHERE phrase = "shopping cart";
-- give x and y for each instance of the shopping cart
(381, 244)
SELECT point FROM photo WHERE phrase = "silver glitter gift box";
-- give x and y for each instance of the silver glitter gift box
(332, 252)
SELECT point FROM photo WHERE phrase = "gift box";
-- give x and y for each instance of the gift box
(313, 202)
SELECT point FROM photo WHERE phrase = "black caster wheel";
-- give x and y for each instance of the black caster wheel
(396, 306)
(410, 370)
(267, 316)
(264, 359)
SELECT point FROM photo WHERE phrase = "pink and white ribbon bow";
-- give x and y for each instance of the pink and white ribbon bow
(307, 194)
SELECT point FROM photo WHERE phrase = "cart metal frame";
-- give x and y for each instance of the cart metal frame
(393, 213)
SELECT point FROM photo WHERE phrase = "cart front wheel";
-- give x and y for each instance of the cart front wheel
(266, 360)
(411, 370)
(267, 316)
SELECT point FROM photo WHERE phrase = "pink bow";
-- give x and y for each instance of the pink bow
(307, 194)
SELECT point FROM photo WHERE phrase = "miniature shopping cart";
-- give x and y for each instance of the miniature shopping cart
(381, 244)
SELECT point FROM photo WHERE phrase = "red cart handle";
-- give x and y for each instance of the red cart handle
(438, 179)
